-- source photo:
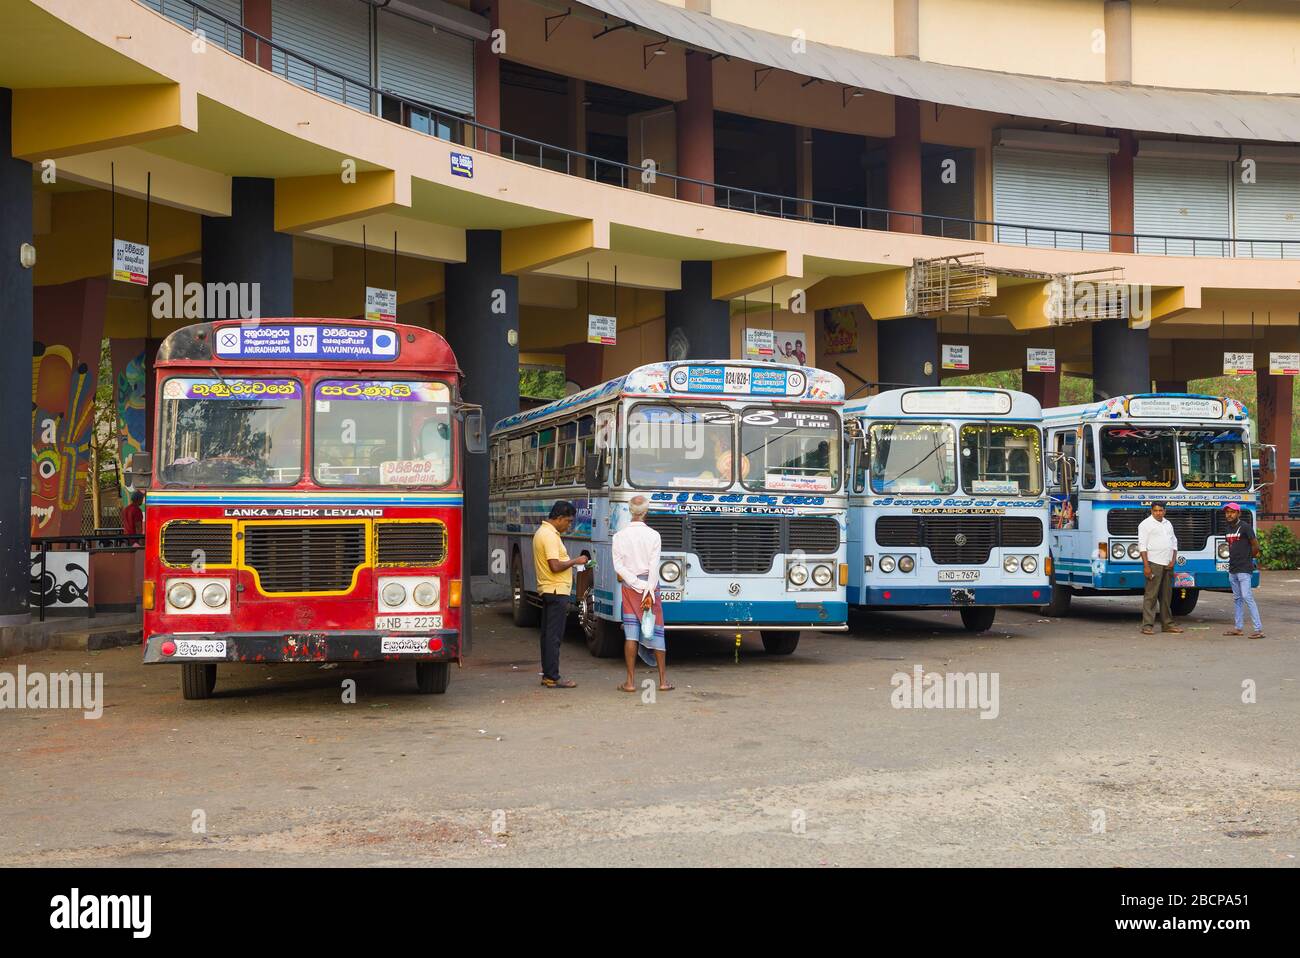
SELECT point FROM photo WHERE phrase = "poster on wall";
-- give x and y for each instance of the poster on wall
(61, 580)
(760, 344)
(1284, 364)
(602, 330)
(790, 348)
(130, 262)
(1238, 364)
(381, 304)
(1040, 360)
(840, 328)
(956, 357)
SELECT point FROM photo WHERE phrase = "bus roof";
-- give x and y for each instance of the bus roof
(313, 343)
(702, 379)
(950, 402)
(1196, 407)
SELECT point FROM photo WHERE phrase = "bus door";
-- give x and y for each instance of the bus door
(856, 464)
(1064, 474)
(600, 465)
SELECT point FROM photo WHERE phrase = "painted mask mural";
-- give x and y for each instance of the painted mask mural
(62, 411)
(130, 418)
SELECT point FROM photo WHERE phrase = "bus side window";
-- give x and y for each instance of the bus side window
(546, 442)
(567, 457)
(586, 445)
(1089, 457)
(530, 459)
(861, 463)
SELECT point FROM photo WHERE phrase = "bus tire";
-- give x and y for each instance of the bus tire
(978, 618)
(779, 643)
(1060, 604)
(431, 678)
(604, 639)
(1183, 601)
(525, 614)
(198, 680)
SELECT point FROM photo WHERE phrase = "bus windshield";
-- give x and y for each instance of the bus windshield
(1138, 457)
(791, 450)
(1213, 458)
(231, 432)
(913, 457)
(382, 433)
(681, 447)
(1001, 459)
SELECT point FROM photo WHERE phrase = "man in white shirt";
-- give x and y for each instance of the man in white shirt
(1159, 547)
(636, 563)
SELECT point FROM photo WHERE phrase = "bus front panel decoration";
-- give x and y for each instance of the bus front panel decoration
(946, 502)
(1112, 459)
(304, 499)
(740, 464)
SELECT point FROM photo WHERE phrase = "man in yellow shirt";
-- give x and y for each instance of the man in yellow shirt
(555, 582)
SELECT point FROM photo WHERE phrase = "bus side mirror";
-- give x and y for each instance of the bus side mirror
(475, 437)
(140, 473)
(594, 471)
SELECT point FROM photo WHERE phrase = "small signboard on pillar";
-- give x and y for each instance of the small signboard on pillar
(1284, 364)
(131, 262)
(956, 357)
(602, 330)
(1238, 364)
(1040, 360)
(760, 344)
(381, 304)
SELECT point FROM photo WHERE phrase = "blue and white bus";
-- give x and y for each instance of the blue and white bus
(946, 502)
(1110, 460)
(741, 464)
(1293, 486)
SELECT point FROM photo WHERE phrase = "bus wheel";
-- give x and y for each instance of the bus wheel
(1184, 601)
(525, 614)
(978, 619)
(432, 677)
(779, 643)
(1060, 604)
(198, 680)
(604, 639)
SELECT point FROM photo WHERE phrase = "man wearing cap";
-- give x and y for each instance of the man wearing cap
(1159, 547)
(1243, 550)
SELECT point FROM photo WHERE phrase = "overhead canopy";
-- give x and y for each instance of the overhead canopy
(1236, 116)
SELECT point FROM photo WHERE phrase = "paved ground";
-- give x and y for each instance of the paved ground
(1108, 749)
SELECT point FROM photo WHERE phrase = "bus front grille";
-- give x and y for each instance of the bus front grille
(959, 540)
(305, 558)
(1193, 527)
(818, 535)
(735, 544)
(671, 529)
(192, 544)
(1022, 532)
(410, 543)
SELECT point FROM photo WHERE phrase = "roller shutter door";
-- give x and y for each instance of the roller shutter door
(215, 30)
(1059, 192)
(1268, 209)
(1180, 197)
(333, 33)
(427, 65)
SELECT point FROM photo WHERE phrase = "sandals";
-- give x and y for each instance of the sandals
(1147, 630)
(1172, 628)
(559, 683)
(1256, 635)
(1233, 632)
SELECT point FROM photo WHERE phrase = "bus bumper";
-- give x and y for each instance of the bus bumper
(438, 645)
(755, 615)
(1131, 580)
(949, 597)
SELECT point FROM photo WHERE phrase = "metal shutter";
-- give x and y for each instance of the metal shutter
(1175, 197)
(1268, 209)
(428, 65)
(213, 29)
(1058, 191)
(334, 34)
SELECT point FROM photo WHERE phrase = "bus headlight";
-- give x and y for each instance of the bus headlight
(1011, 563)
(798, 575)
(425, 594)
(1134, 552)
(394, 594)
(1029, 564)
(822, 575)
(906, 564)
(670, 571)
(886, 563)
(181, 595)
(214, 595)
(1117, 551)
(1222, 550)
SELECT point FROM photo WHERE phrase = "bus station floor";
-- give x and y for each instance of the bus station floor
(1108, 749)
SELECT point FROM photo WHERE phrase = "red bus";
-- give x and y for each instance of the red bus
(304, 499)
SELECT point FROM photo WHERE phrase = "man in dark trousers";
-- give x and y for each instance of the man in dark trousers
(1243, 550)
(554, 568)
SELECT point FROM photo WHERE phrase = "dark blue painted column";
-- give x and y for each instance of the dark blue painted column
(482, 310)
(245, 248)
(1121, 359)
(904, 347)
(15, 375)
(697, 326)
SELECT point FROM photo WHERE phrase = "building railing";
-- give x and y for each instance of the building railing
(433, 121)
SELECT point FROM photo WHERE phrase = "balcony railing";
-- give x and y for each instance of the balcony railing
(431, 120)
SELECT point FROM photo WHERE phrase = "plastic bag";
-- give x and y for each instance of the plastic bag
(648, 618)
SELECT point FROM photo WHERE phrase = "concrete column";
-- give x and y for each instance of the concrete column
(908, 352)
(482, 310)
(487, 80)
(1118, 22)
(1121, 359)
(907, 28)
(576, 97)
(15, 375)
(903, 171)
(245, 248)
(1171, 385)
(1045, 387)
(803, 167)
(1274, 419)
(257, 17)
(695, 129)
(1121, 193)
(697, 326)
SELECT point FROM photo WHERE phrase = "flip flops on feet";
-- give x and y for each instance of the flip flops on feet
(1233, 632)
(1256, 635)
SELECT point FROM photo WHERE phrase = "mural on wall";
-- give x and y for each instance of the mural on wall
(130, 418)
(63, 395)
(60, 580)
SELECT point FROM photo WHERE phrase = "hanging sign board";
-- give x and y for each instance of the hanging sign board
(1238, 364)
(760, 344)
(1040, 360)
(381, 304)
(602, 330)
(130, 262)
(1284, 364)
(956, 357)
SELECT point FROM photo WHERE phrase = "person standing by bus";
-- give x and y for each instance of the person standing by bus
(1243, 550)
(636, 563)
(133, 515)
(1159, 547)
(555, 584)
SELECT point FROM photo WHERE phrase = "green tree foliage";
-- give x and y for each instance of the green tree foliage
(1279, 548)
(539, 383)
